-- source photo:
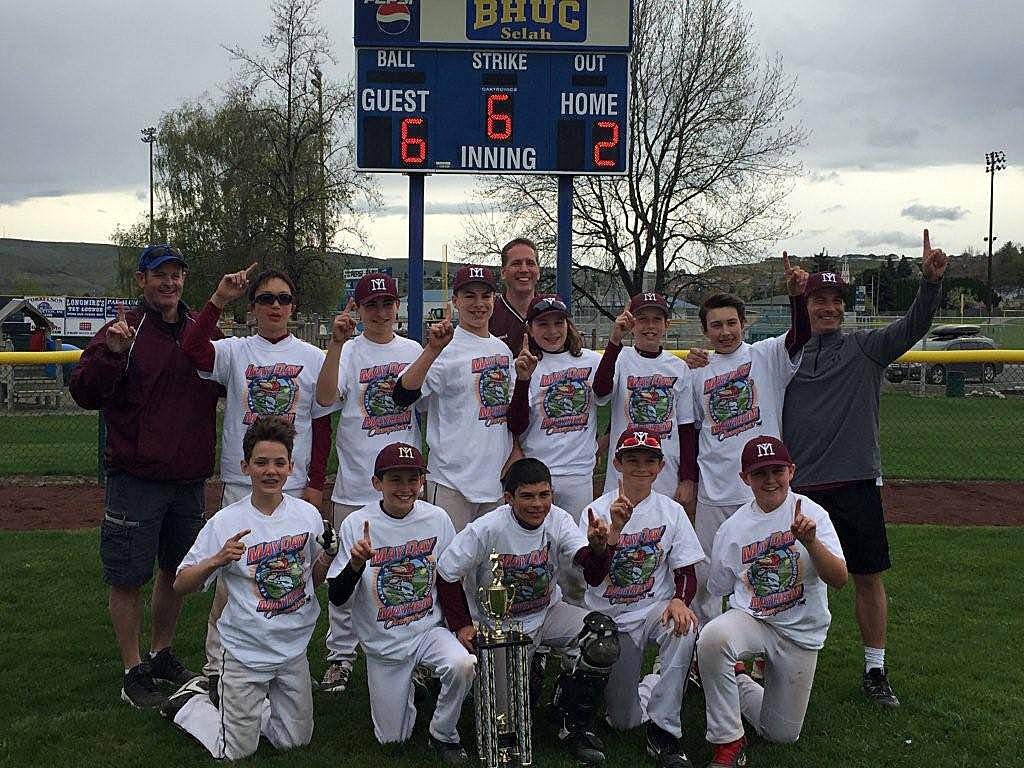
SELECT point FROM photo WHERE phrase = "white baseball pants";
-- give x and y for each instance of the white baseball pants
(391, 692)
(341, 637)
(572, 493)
(461, 510)
(277, 704)
(707, 521)
(777, 710)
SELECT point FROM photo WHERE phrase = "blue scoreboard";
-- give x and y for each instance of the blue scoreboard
(493, 86)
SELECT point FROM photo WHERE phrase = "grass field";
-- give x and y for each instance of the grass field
(953, 660)
(929, 438)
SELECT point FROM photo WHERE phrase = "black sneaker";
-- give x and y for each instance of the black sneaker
(213, 683)
(538, 666)
(139, 690)
(194, 687)
(584, 745)
(664, 748)
(166, 668)
(452, 754)
(876, 687)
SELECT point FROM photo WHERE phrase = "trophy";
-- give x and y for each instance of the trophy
(502, 728)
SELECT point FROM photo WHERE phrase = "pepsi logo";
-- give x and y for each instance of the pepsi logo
(394, 18)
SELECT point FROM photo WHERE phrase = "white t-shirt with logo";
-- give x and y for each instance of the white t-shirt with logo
(770, 574)
(530, 560)
(737, 397)
(563, 413)
(395, 599)
(466, 393)
(272, 607)
(367, 374)
(264, 379)
(656, 541)
(650, 395)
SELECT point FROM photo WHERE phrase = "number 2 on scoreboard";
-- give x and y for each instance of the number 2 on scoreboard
(414, 141)
(609, 158)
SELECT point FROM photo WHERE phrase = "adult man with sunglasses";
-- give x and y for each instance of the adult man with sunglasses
(161, 429)
(271, 373)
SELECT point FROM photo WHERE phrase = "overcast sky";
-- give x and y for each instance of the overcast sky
(902, 100)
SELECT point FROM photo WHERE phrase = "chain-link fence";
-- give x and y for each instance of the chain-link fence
(961, 423)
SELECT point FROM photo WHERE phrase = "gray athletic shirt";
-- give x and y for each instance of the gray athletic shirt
(830, 417)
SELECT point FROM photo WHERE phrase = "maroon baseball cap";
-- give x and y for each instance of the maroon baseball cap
(398, 456)
(474, 274)
(642, 300)
(541, 305)
(821, 281)
(373, 285)
(638, 440)
(764, 451)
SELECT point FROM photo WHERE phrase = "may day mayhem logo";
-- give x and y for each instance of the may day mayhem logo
(381, 415)
(773, 573)
(393, 16)
(492, 388)
(279, 574)
(405, 576)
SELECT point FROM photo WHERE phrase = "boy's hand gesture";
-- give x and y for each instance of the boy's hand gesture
(623, 325)
(119, 335)
(933, 261)
(597, 532)
(344, 325)
(682, 618)
(441, 333)
(232, 550)
(362, 550)
(697, 358)
(804, 528)
(232, 286)
(526, 362)
(621, 510)
(796, 278)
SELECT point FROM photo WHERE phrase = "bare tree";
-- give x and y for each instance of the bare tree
(711, 159)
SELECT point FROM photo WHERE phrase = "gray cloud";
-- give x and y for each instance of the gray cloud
(834, 208)
(819, 177)
(865, 239)
(919, 212)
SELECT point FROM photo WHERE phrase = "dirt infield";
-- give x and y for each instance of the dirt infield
(70, 503)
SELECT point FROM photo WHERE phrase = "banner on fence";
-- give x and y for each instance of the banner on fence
(78, 315)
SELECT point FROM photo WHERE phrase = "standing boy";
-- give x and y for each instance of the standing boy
(375, 412)
(533, 541)
(388, 573)
(738, 393)
(773, 557)
(269, 550)
(648, 590)
(466, 386)
(650, 390)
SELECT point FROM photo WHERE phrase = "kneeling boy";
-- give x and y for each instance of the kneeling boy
(388, 569)
(773, 556)
(648, 590)
(269, 550)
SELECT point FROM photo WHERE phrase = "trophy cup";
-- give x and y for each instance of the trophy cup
(502, 728)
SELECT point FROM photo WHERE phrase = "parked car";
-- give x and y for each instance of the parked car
(947, 338)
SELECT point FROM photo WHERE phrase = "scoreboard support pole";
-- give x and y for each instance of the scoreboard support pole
(414, 303)
(563, 274)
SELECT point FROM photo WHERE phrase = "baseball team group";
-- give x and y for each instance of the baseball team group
(739, 484)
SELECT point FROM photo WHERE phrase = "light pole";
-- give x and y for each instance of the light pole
(149, 137)
(318, 83)
(994, 161)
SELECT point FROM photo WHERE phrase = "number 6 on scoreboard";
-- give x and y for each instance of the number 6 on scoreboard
(499, 118)
(414, 147)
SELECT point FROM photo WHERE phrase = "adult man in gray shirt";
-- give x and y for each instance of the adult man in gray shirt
(830, 425)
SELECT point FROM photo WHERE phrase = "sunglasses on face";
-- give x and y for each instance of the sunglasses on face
(267, 299)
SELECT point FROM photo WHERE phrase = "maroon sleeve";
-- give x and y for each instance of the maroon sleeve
(686, 583)
(799, 326)
(604, 379)
(595, 567)
(454, 605)
(196, 339)
(688, 452)
(519, 408)
(95, 378)
(319, 451)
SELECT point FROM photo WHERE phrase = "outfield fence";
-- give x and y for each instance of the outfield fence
(955, 416)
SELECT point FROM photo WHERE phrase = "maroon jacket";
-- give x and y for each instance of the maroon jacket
(161, 417)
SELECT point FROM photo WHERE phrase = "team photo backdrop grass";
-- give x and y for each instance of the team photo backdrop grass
(954, 635)
(922, 438)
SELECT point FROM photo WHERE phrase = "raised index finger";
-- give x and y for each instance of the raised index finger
(121, 313)
(927, 243)
(351, 305)
(590, 516)
(250, 269)
(796, 512)
(238, 536)
(366, 530)
(785, 261)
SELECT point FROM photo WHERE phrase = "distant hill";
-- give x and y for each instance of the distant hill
(73, 269)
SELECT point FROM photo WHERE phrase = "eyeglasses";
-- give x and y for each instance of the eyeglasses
(545, 304)
(640, 440)
(267, 299)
